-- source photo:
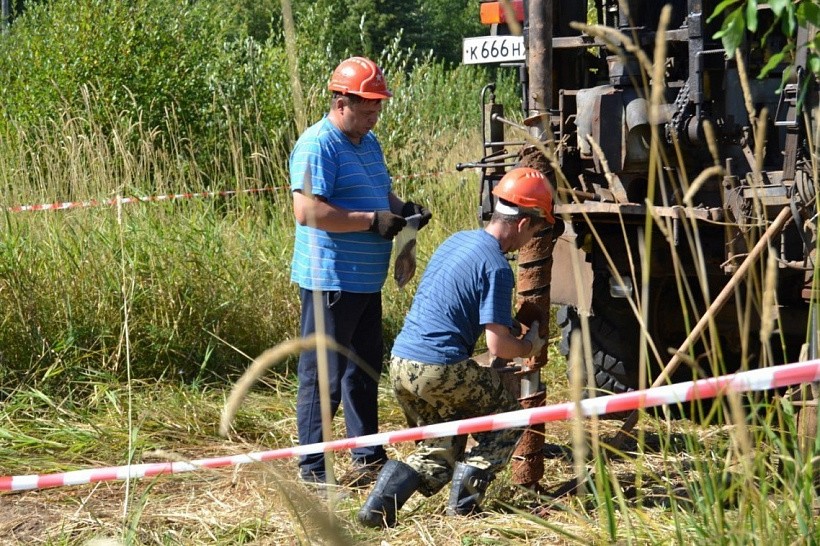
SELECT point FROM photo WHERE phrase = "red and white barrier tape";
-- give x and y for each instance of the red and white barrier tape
(754, 380)
(423, 175)
(166, 197)
(128, 200)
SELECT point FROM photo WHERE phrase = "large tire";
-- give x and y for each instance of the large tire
(613, 364)
(614, 337)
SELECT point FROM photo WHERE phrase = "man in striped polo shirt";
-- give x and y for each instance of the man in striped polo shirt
(347, 216)
(466, 290)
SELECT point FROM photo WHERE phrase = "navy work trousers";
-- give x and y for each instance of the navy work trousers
(354, 321)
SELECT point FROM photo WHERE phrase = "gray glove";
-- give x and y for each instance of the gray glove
(387, 224)
(537, 341)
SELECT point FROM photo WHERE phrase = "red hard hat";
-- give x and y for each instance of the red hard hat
(527, 187)
(359, 76)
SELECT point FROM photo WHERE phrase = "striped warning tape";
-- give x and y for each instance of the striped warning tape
(754, 380)
(63, 205)
(128, 200)
(422, 175)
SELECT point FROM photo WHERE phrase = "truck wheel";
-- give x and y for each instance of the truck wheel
(614, 337)
(613, 353)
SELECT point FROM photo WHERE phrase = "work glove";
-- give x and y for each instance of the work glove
(535, 339)
(410, 208)
(387, 224)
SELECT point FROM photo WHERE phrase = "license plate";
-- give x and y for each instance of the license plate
(492, 49)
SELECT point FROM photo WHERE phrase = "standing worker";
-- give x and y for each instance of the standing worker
(466, 289)
(347, 216)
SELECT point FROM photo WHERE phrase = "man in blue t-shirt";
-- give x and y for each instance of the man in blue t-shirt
(346, 215)
(466, 290)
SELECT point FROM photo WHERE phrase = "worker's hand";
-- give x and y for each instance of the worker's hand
(387, 224)
(410, 208)
(535, 339)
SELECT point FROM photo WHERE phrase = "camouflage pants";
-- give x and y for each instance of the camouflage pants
(430, 394)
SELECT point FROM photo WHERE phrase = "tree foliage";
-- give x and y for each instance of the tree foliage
(742, 16)
(437, 26)
(190, 62)
(128, 53)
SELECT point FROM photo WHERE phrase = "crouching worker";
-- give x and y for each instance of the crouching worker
(466, 289)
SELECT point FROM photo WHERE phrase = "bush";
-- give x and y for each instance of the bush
(141, 58)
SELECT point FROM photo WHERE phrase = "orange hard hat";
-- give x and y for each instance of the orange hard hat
(529, 188)
(359, 76)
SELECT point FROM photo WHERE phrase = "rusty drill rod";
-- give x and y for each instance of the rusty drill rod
(632, 419)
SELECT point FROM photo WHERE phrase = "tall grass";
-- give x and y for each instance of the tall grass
(208, 279)
(191, 263)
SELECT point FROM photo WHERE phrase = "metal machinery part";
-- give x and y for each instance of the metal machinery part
(645, 239)
(696, 243)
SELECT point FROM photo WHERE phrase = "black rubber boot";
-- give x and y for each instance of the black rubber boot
(396, 482)
(467, 490)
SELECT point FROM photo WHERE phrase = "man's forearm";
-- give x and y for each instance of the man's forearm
(315, 212)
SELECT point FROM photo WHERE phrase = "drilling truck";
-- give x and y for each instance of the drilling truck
(683, 178)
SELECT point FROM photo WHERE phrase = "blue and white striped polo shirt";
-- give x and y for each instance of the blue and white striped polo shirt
(467, 285)
(353, 177)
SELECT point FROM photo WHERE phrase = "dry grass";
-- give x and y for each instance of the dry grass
(255, 505)
(208, 507)
(259, 504)
(264, 504)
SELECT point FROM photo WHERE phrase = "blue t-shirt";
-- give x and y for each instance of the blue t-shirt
(467, 285)
(350, 176)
